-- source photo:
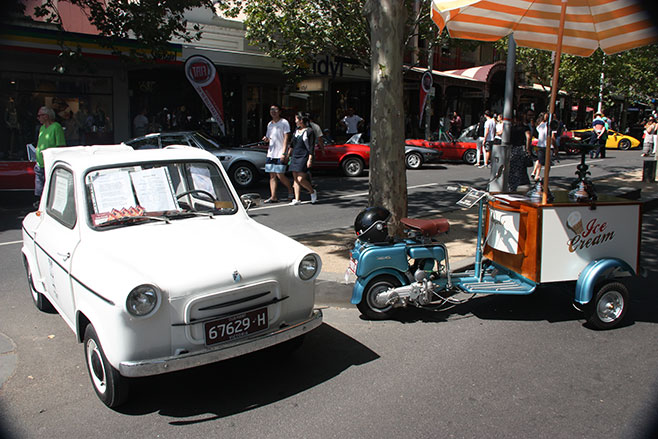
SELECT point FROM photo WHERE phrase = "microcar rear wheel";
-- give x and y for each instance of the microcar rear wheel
(608, 306)
(38, 299)
(109, 385)
(373, 305)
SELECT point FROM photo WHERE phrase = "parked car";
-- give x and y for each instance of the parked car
(463, 148)
(17, 176)
(416, 156)
(616, 140)
(353, 156)
(244, 165)
(152, 260)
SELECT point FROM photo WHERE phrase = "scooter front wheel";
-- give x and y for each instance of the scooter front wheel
(372, 304)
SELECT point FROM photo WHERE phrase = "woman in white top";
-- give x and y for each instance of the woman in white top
(542, 137)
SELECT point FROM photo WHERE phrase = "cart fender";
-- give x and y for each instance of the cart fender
(593, 272)
(362, 282)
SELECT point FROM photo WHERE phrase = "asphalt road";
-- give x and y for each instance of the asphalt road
(496, 367)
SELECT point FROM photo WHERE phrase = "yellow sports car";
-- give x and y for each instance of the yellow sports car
(615, 139)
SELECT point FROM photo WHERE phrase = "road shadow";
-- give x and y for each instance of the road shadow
(241, 384)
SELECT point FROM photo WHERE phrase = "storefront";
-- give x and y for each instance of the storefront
(89, 95)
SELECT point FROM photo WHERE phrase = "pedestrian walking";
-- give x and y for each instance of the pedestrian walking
(598, 137)
(489, 137)
(51, 135)
(648, 137)
(479, 140)
(301, 158)
(278, 135)
(141, 123)
(521, 141)
(542, 139)
(352, 122)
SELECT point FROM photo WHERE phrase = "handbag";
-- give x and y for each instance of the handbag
(527, 159)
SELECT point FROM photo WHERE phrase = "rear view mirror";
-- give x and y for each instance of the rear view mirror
(250, 200)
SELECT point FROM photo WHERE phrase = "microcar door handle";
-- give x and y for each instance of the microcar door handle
(64, 256)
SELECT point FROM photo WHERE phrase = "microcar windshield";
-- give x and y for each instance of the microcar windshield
(162, 191)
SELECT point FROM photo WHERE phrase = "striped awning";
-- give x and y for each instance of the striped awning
(479, 73)
(612, 25)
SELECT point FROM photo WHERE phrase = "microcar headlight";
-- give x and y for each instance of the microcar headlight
(308, 267)
(142, 300)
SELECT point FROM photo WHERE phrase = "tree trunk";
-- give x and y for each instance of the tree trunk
(388, 178)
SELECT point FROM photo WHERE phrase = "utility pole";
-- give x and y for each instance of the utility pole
(430, 97)
(600, 107)
(500, 154)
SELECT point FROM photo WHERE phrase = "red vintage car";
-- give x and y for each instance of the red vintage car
(351, 157)
(463, 148)
(16, 176)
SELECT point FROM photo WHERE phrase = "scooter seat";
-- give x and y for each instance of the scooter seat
(428, 228)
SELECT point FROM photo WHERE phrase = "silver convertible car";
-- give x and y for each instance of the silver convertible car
(243, 165)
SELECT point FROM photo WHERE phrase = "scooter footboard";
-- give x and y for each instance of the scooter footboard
(495, 280)
(362, 282)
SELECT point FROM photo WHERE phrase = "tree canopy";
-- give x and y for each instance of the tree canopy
(630, 75)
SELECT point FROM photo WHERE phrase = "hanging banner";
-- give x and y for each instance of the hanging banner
(425, 87)
(201, 73)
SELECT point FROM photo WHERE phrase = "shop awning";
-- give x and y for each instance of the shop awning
(444, 74)
(479, 74)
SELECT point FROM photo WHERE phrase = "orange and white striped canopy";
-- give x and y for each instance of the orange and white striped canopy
(613, 25)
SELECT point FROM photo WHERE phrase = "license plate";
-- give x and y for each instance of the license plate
(353, 264)
(236, 326)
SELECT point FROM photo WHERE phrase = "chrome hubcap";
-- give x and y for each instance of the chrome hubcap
(610, 306)
(95, 364)
(243, 176)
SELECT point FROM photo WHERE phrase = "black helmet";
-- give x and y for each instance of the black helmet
(370, 224)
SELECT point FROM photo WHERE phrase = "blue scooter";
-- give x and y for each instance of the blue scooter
(415, 271)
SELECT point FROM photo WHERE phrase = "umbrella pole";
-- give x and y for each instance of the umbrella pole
(554, 87)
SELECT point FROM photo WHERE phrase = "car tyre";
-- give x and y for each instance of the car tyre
(352, 166)
(369, 306)
(624, 144)
(470, 156)
(413, 160)
(109, 385)
(38, 299)
(243, 175)
(608, 306)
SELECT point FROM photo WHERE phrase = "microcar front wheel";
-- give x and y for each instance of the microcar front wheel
(109, 385)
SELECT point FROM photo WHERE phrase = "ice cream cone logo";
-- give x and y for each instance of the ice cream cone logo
(575, 222)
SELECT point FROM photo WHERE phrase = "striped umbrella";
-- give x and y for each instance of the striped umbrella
(577, 27)
(612, 25)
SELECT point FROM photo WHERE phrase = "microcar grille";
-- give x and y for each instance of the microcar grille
(228, 302)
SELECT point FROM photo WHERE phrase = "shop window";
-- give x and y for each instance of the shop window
(82, 105)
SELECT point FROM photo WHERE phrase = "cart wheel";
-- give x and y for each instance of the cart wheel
(608, 306)
(370, 305)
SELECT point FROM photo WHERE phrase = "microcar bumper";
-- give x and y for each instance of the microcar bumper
(225, 351)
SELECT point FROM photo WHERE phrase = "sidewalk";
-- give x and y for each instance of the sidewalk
(334, 246)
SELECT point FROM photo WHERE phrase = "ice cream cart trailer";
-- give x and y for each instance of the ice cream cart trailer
(593, 243)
